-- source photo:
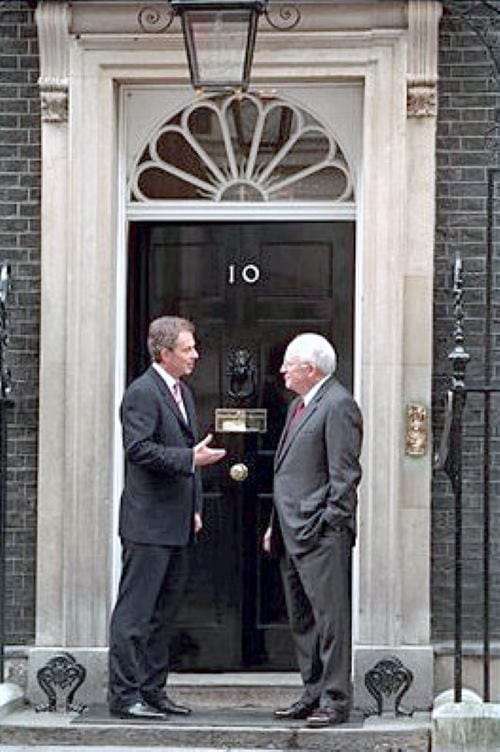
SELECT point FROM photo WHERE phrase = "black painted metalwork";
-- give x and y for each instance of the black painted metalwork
(209, 22)
(5, 402)
(484, 25)
(155, 19)
(389, 679)
(284, 17)
(459, 358)
(449, 459)
(63, 672)
(242, 377)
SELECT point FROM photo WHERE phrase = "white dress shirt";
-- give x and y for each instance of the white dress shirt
(171, 382)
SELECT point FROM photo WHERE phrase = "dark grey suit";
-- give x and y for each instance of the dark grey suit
(317, 472)
(159, 499)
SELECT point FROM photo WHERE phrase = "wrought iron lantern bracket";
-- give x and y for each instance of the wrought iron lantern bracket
(216, 61)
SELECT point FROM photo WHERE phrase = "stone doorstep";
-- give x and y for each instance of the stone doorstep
(224, 690)
(25, 727)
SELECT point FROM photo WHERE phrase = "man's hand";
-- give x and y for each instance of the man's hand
(205, 455)
(266, 541)
(198, 523)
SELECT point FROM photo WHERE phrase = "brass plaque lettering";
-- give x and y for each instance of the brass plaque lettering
(240, 420)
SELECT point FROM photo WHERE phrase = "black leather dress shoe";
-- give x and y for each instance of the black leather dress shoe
(323, 717)
(165, 705)
(299, 710)
(138, 711)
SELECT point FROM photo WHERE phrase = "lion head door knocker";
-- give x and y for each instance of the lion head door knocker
(241, 371)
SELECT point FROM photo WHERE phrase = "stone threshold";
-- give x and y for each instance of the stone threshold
(237, 679)
(238, 728)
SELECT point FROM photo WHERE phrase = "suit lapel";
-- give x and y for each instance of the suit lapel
(288, 436)
(190, 409)
(168, 400)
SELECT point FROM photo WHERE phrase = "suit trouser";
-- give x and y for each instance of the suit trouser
(317, 588)
(152, 583)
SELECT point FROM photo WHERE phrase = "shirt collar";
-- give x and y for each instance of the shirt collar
(165, 375)
(314, 390)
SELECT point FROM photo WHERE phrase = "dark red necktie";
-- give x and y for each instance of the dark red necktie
(296, 413)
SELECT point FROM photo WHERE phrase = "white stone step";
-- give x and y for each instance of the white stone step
(231, 690)
(208, 730)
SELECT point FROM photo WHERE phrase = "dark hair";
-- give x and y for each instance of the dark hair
(163, 333)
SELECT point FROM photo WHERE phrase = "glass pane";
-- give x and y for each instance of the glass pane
(220, 41)
(326, 185)
(243, 148)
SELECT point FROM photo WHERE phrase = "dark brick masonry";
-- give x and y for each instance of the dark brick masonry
(467, 156)
(20, 246)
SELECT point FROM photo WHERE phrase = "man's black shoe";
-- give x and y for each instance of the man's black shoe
(298, 711)
(324, 717)
(138, 711)
(165, 705)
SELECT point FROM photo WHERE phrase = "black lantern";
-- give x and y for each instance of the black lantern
(220, 40)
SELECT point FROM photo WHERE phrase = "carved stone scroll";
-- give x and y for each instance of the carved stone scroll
(52, 20)
(423, 20)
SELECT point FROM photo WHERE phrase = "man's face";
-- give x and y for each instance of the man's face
(180, 360)
(298, 376)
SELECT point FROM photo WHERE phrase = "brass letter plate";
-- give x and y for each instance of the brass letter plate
(240, 420)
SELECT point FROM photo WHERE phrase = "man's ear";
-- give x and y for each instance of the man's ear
(164, 355)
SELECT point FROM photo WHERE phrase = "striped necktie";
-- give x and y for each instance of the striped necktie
(176, 391)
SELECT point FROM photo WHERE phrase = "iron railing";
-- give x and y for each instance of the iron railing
(449, 459)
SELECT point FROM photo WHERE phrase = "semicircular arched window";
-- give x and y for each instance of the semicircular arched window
(242, 148)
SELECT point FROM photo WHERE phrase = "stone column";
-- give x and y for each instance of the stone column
(74, 497)
(395, 567)
(415, 518)
(52, 22)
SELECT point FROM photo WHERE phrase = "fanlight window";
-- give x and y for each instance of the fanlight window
(242, 148)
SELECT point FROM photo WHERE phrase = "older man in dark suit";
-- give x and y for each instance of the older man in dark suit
(313, 526)
(160, 514)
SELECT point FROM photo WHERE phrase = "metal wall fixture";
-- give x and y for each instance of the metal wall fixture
(219, 36)
(416, 430)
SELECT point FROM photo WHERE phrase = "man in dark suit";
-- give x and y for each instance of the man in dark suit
(160, 514)
(313, 526)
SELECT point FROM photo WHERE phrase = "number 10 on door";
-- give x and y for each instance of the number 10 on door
(249, 274)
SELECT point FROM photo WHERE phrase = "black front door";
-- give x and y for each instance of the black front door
(249, 288)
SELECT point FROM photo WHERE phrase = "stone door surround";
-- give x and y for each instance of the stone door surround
(87, 50)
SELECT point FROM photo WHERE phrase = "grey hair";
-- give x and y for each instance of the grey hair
(314, 349)
(163, 333)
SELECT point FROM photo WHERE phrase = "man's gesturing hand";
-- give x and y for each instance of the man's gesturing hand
(266, 541)
(205, 455)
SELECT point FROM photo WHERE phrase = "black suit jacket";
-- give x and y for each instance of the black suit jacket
(161, 491)
(317, 470)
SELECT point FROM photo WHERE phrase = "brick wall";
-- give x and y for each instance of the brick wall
(467, 156)
(20, 246)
